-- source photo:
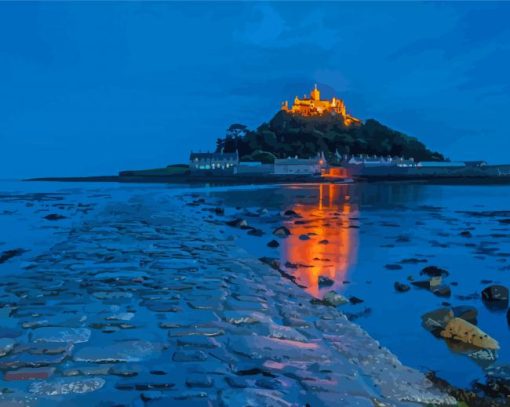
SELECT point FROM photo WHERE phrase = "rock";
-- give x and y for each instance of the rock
(291, 214)
(466, 313)
(442, 290)
(273, 244)
(197, 341)
(253, 397)
(433, 271)
(127, 351)
(412, 260)
(498, 381)
(6, 345)
(189, 356)
(58, 334)
(355, 300)
(495, 296)
(465, 233)
(244, 317)
(324, 241)
(219, 211)
(256, 232)
(271, 261)
(281, 231)
(401, 287)
(41, 373)
(199, 380)
(393, 267)
(123, 371)
(54, 216)
(325, 281)
(9, 254)
(428, 284)
(66, 386)
(304, 237)
(151, 395)
(461, 330)
(237, 223)
(333, 299)
(437, 320)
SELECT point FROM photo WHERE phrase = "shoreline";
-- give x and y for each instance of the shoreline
(278, 179)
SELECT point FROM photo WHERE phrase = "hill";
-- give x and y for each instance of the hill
(288, 134)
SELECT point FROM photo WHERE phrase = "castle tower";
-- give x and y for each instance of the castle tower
(315, 94)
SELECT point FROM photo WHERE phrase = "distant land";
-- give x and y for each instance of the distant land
(313, 140)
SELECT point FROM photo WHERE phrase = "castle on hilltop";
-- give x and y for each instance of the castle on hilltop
(314, 106)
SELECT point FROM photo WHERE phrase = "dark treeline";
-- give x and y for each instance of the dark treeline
(287, 135)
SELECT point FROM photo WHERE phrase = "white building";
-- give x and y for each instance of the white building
(299, 166)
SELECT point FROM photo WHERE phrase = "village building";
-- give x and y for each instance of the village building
(213, 163)
(315, 106)
(300, 166)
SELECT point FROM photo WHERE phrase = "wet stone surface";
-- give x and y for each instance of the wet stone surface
(145, 303)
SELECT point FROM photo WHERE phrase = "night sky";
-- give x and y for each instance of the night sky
(94, 88)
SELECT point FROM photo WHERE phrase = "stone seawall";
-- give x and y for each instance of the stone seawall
(146, 304)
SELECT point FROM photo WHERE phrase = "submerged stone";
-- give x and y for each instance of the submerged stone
(57, 334)
(66, 386)
(128, 351)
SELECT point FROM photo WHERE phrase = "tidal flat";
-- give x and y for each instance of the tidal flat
(154, 295)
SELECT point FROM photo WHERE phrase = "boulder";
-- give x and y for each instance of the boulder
(465, 233)
(437, 320)
(237, 223)
(393, 267)
(461, 330)
(442, 290)
(401, 287)
(355, 300)
(324, 241)
(219, 211)
(433, 282)
(466, 313)
(291, 214)
(433, 271)
(273, 244)
(54, 216)
(281, 231)
(304, 237)
(495, 296)
(256, 232)
(333, 299)
(325, 281)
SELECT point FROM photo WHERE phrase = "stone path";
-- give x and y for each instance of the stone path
(145, 304)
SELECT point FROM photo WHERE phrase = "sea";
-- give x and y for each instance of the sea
(363, 237)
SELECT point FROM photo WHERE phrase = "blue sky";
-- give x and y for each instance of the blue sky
(93, 88)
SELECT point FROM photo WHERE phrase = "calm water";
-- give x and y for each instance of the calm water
(370, 226)
(367, 226)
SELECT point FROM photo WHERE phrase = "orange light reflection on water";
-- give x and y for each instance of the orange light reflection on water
(327, 219)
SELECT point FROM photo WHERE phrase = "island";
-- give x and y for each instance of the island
(314, 140)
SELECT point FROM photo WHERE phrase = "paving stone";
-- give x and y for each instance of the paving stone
(40, 373)
(127, 351)
(196, 341)
(57, 334)
(189, 356)
(6, 345)
(198, 380)
(66, 386)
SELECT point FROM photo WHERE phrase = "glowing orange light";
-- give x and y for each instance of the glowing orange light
(328, 219)
(314, 106)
